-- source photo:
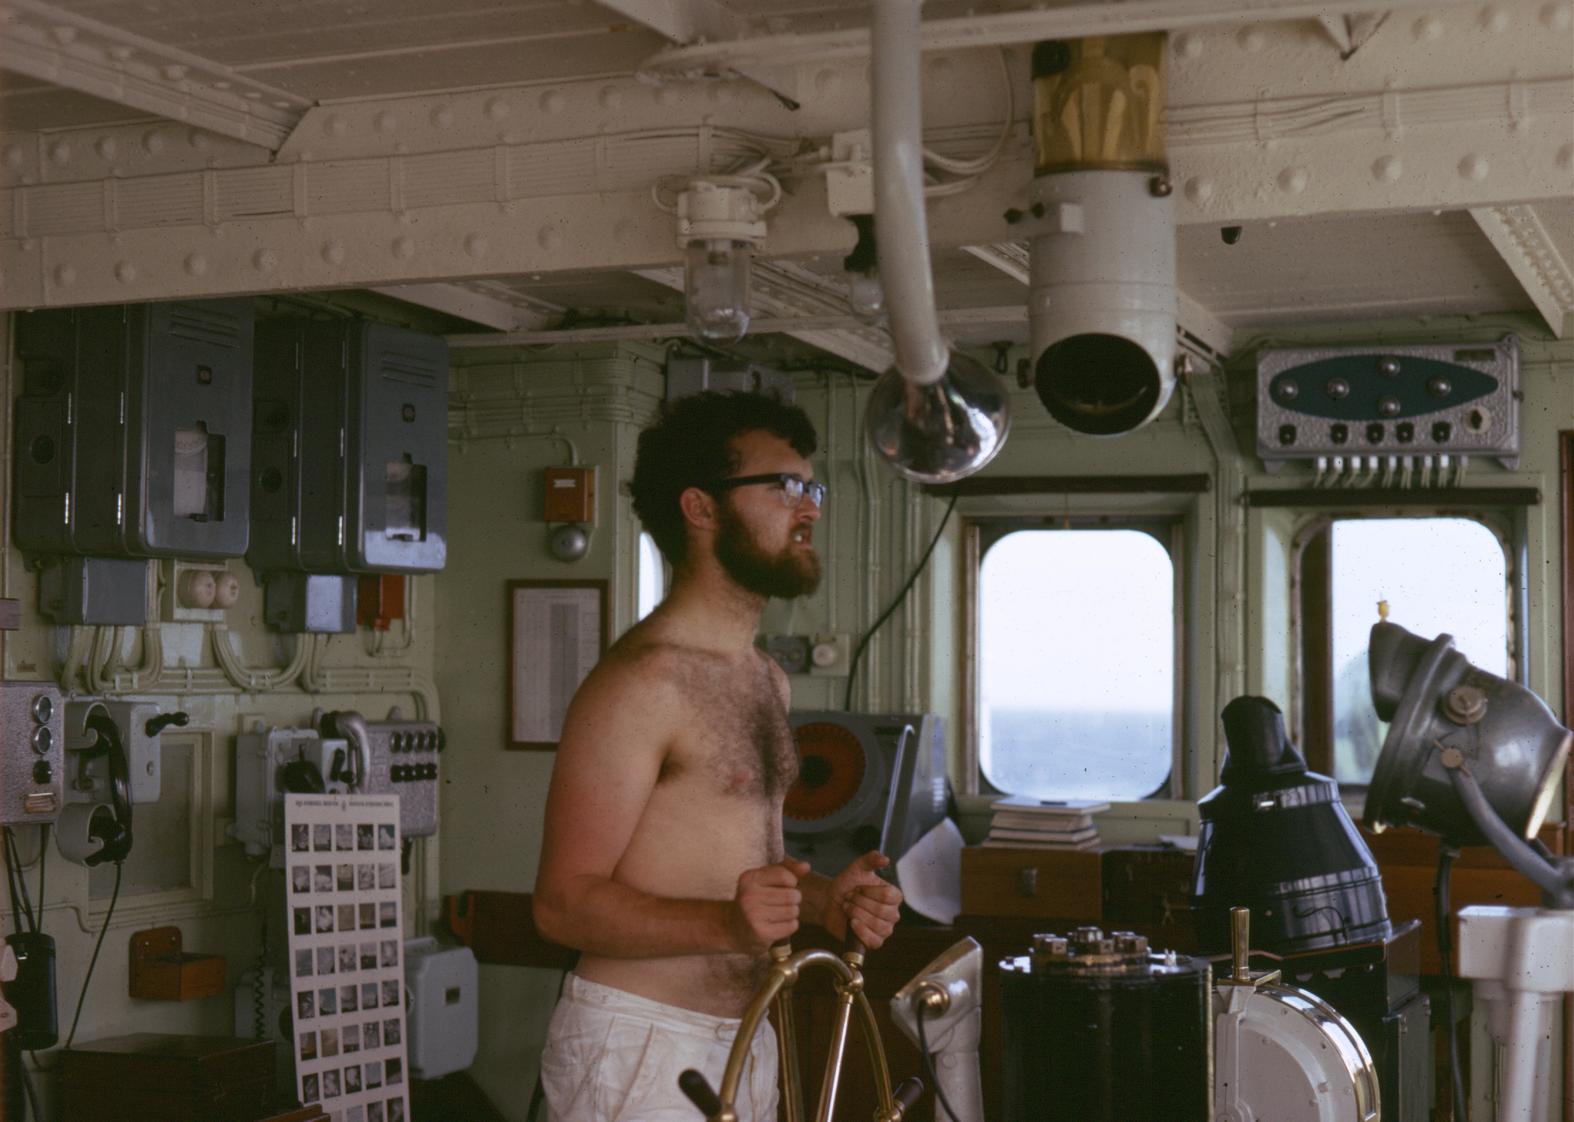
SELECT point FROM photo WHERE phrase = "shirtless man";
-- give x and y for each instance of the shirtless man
(662, 860)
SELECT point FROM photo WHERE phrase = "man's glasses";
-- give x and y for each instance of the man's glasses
(794, 487)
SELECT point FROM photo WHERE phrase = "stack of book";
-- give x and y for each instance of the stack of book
(1023, 821)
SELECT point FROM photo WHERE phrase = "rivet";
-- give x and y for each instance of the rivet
(198, 139)
(1494, 19)
(403, 247)
(549, 238)
(1566, 157)
(1389, 168)
(1428, 27)
(1474, 167)
(221, 85)
(264, 260)
(60, 152)
(333, 253)
(153, 141)
(497, 108)
(125, 272)
(14, 156)
(280, 104)
(1188, 45)
(721, 93)
(252, 95)
(611, 98)
(442, 116)
(387, 121)
(665, 95)
(1556, 16)
(826, 81)
(175, 72)
(120, 52)
(1199, 189)
(196, 264)
(476, 245)
(334, 125)
(1251, 39)
(65, 33)
(1293, 180)
(64, 275)
(105, 147)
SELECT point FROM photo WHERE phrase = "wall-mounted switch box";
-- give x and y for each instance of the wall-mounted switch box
(133, 430)
(309, 603)
(32, 765)
(96, 591)
(570, 494)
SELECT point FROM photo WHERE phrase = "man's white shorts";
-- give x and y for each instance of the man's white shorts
(613, 1057)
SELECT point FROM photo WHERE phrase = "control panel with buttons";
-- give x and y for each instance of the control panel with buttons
(404, 763)
(32, 717)
(1425, 400)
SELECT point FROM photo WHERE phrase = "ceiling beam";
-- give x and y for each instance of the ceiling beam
(58, 46)
(1000, 29)
(797, 326)
(1522, 242)
(688, 22)
(1191, 318)
(465, 301)
(786, 293)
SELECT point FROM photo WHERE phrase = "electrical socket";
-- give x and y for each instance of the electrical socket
(790, 652)
(829, 655)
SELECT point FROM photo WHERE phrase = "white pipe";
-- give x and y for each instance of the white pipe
(901, 228)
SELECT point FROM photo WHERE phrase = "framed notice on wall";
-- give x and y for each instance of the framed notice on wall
(557, 629)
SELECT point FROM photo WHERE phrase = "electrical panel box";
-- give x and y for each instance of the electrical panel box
(1426, 401)
(351, 449)
(133, 430)
(32, 765)
(443, 983)
(570, 494)
(96, 591)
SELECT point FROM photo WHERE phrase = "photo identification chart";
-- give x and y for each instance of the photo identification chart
(347, 955)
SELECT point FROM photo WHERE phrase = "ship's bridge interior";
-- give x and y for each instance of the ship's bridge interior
(1157, 351)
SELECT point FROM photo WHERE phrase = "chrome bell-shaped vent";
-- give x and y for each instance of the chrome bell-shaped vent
(943, 431)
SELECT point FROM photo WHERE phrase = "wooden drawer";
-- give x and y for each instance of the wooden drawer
(1052, 884)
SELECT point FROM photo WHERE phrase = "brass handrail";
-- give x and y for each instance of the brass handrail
(785, 970)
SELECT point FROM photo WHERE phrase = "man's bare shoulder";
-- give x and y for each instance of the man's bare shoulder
(650, 662)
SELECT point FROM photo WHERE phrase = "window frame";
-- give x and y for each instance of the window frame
(980, 533)
(1312, 732)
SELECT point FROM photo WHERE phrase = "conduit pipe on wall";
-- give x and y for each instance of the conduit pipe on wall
(936, 416)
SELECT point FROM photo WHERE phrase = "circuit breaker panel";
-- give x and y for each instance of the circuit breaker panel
(133, 430)
(351, 449)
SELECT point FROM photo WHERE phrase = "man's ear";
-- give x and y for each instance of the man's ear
(699, 508)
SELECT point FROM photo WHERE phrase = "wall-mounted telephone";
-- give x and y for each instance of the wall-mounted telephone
(113, 761)
(344, 753)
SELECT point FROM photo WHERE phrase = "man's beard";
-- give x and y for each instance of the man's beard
(783, 575)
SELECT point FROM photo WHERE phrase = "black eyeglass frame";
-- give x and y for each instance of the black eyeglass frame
(812, 489)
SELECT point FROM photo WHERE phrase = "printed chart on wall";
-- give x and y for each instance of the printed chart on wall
(347, 955)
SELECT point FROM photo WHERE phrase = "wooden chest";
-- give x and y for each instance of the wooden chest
(170, 1078)
(1042, 883)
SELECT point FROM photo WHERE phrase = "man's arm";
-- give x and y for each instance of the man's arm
(614, 738)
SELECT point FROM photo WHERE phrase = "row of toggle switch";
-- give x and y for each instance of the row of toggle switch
(1376, 433)
(412, 773)
(429, 741)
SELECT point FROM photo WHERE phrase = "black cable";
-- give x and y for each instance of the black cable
(43, 852)
(92, 962)
(21, 906)
(27, 1087)
(1445, 950)
(929, 1063)
(896, 602)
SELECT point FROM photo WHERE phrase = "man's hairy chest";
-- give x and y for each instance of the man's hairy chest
(735, 739)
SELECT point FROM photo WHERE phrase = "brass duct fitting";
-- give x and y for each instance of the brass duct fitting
(1099, 104)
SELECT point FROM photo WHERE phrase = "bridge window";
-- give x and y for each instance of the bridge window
(1074, 694)
(652, 579)
(1437, 575)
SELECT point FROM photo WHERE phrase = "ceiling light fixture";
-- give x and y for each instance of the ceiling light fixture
(721, 222)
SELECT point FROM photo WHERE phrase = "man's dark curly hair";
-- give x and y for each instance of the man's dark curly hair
(691, 446)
